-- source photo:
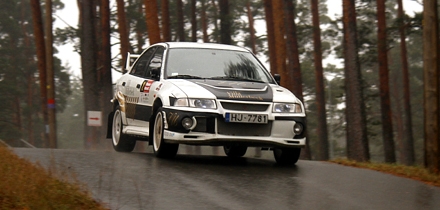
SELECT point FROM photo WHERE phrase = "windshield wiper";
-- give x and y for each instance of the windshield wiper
(235, 79)
(184, 76)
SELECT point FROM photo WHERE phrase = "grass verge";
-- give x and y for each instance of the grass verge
(24, 185)
(412, 172)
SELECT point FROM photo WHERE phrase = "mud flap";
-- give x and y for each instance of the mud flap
(109, 124)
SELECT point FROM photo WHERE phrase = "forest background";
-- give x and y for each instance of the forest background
(245, 23)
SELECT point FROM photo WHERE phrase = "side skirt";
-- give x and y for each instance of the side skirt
(137, 131)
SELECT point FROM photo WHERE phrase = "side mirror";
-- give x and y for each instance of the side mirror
(131, 58)
(156, 63)
(277, 78)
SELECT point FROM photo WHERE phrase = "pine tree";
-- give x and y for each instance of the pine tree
(407, 151)
(357, 142)
(166, 31)
(152, 20)
(89, 70)
(41, 57)
(123, 33)
(431, 68)
(323, 149)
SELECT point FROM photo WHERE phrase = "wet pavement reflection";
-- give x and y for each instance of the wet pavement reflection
(212, 181)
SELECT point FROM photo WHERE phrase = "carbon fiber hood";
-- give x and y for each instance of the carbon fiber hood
(238, 90)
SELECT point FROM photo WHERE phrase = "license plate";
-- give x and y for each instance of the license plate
(246, 118)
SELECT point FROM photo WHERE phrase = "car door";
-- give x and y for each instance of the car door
(148, 88)
(132, 85)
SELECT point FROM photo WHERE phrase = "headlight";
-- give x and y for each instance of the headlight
(202, 103)
(287, 108)
(181, 102)
(196, 103)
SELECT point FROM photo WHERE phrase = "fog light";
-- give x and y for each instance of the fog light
(298, 128)
(189, 123)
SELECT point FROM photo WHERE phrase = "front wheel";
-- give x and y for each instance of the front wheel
(286, 156)
(121, 142)
(235, 151)
(161, 148)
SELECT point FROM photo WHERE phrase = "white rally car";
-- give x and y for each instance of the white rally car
(204, 94)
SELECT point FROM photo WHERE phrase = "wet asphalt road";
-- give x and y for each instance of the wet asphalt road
(141, 181)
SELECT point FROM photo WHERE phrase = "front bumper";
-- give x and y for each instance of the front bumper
(211, 129)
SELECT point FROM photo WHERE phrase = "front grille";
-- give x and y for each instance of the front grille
(245, 106)
(243, 129)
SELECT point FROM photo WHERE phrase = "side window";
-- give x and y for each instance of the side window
(141, 65)
(153, 69)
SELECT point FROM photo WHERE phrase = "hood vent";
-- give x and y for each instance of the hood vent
(236, 88)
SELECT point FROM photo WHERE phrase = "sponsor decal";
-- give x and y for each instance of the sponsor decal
(131, 100)
(129, 91)
(143, 85)
(172, 118)
(169, 134)
(144, 98)
(146, 85)
(238, 95)
(130, 106)
(159, 87)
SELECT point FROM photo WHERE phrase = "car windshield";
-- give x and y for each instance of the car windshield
(215, 64)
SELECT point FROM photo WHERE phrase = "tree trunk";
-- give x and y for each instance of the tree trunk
(50, 77)
(357, 141)
(193, 21)
(384, 87)
(294, 66)
(29, 117)
(407, 152)
(180, 21)
(270, 36)
(123, 33)
(29, 77)
(397, 109)
(320, 94)
(387, 126)
(166, 31)
(139, 37)
(88, 68)
(431, 69)
(280, 43)
(216, 28)
(152, 21)
(204, 23)
(41, 59)
(17, 112)
(251, 27)
(105, 70)
(225, 22)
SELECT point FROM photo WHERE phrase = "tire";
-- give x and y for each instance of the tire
(160, 147)
(286, 156)
(235, 151)
(121, 142)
